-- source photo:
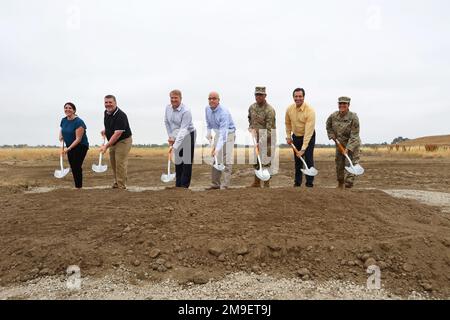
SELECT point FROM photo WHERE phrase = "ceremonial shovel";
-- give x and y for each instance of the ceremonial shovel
(63, 172)
(307, 171)
(216, 165)
(166, 178)
(356, 169)
(100, 168)
(262, 174)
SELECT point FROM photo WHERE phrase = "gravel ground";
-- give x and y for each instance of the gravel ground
(431, 198)
(237, 286)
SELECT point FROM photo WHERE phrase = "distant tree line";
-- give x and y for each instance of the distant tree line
(399, 140)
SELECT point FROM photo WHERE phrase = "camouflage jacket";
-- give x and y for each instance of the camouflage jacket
(345, 129)
(262, 117)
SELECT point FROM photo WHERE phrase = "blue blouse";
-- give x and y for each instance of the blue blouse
(68, 128)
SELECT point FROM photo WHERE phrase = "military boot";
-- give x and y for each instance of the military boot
(256, 183)
(267, 184)
(340, 185)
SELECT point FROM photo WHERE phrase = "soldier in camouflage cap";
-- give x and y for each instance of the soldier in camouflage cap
(261, 118)
(344, 126)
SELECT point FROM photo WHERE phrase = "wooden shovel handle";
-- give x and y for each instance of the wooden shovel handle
(340, 146)
(62, 147)
(296, 151)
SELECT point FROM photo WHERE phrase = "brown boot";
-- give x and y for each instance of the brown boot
(267, 184)
(256, 183)
(340, 185)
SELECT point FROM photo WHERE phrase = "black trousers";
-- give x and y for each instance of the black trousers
(184, 159)
(76, 158)
(309, 159)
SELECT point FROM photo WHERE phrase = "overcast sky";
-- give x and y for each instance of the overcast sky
(391, 57)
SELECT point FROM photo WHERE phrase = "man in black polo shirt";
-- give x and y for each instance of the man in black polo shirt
(118, 132)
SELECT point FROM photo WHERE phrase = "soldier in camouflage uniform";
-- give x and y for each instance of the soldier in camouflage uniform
(261, 118)
(344, 126)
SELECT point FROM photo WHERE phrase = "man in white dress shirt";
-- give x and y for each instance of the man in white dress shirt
(182, 135)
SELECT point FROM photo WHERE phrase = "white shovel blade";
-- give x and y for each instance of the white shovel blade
(61, 173)
(99, 169)
(357, 170)
(166, 178)
(312, 172)
(219, 167)
(263, 175)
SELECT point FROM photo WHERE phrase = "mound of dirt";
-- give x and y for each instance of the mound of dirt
(319, 234)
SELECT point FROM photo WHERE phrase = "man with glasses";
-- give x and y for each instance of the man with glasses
(219, 119)
(262, 125)
(117, 131)
(344, 126)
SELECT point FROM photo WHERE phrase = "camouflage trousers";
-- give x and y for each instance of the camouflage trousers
(265, 151)
(343, 176)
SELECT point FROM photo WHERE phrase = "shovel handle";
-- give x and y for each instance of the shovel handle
(257, 153)
(296, 150)
(350, 161)
(340, 146)
(256, 145)
(301, 158)
(61, 162)
(169, 154)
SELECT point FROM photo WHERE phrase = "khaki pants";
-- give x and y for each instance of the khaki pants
(118, 156)
(225, 156)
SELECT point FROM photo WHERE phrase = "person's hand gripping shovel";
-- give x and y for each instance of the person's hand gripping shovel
(312, 172)
(356, 169)
(99, 168)
(64, 171)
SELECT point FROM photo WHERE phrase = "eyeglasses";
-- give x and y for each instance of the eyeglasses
(212, 98)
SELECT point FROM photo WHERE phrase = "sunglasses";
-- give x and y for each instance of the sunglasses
(212, 98)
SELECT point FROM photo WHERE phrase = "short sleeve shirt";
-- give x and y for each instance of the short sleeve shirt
(68, 130)
(118, 121)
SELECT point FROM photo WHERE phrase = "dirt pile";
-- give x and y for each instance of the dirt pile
(319, 234)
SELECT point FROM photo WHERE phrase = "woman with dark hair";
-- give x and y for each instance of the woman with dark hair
(73, 132)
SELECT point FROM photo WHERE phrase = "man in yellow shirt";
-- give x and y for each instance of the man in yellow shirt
(300, 130)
